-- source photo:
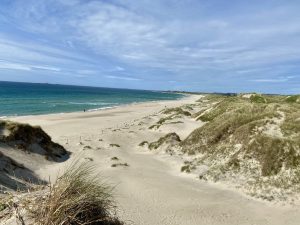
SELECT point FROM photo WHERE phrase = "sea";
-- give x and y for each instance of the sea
(17, 99)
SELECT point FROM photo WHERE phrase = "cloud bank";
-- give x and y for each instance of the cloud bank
(201, 45)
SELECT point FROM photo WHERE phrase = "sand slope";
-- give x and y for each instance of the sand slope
(151, 190)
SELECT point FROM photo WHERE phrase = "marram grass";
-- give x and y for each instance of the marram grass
(77, 197)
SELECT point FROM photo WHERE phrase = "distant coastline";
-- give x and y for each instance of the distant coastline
(19, 99)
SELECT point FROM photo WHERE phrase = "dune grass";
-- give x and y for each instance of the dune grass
(115, 145)
(239, 140)
(23, 136)
(172, 113)
(120, 164)
(143, 143)
(168, 138)
(257, 99)
(293, 99)
(114, 158)
(77, 197)
(177, 111)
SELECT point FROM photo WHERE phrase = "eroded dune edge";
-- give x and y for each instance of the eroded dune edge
(247, 143)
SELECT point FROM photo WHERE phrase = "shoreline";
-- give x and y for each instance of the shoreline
(184, 96)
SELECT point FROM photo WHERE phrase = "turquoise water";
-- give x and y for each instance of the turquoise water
(35, 99)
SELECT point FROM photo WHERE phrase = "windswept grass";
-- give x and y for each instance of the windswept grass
(24, 136)
(120, 164)
(177, 111)
(256, 139)
(168, 138)
(115, 145)
(293, 99)
(143, 143)
(77, 197)
(257, 99)
(114, 158)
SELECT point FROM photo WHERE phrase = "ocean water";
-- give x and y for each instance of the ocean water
(35, 99)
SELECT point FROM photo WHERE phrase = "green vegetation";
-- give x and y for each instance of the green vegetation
(4, 203)
(143, 143)
(177, 111)
(165, 119)
(188, 167)
(77, 197)
(257, 138)
(162, 121)
(114, 158)
(201, 111)
(154, 126)
(168, 138)
(293, 99)
(175, 122)
(189, 106)
(115, 145)
(24, 136)
(119, 164)
(257, 98)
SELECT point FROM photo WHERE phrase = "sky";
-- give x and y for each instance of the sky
(190, 45)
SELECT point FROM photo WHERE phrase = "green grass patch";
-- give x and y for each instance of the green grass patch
(255, 98)
(168, 138)
(143, 143)
(235, 142)
(177, 111)
(115, 145)
(120, 164)
(77, 197)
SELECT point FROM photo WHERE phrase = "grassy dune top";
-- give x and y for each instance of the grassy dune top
(252, 140)
(30, 138)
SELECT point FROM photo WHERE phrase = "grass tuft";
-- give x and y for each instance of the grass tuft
(168, 138)
(257, 139)
(255, 98)
(120, 164)
(293, 99)
(143, 143)
(77, 197)
(177, 111)
(115, 145)
(114, 158)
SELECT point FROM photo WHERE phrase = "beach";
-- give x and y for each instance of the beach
(149, 187)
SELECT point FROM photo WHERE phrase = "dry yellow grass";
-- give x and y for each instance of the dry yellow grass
(77, 197)
(256, 139)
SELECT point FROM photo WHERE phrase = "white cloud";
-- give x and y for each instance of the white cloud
(270, 80)
(179, 40)
(14, 66)
(42, 67)
(119, 68)
(274, 80)
(122, 78)
(26, 67)
(147, 37)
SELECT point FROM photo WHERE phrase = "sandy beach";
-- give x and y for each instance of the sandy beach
(149, 187)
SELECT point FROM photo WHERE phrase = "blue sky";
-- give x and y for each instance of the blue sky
(195, 45)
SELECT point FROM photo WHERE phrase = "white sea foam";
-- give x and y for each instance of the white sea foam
(102, 108)
(91, 103)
